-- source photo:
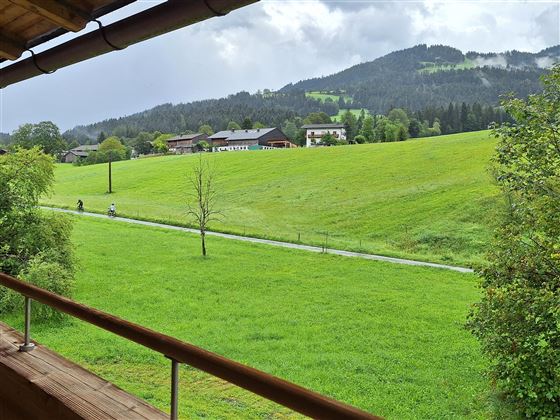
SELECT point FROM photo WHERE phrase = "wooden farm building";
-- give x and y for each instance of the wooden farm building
(185, 143)
(80, 152)
(255, 139)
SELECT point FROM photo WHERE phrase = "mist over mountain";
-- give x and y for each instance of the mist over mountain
(415, 79)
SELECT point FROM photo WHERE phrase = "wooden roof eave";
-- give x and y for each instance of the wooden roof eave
(28, 23)
(160, 19)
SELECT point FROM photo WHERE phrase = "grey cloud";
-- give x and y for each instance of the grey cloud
(546, 62)
(497, 61)
(547, 25)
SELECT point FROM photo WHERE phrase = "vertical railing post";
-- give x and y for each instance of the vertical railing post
(174, 389)
(27, 345)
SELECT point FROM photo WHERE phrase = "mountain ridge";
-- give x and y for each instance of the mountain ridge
(422, 53)
(415, 78)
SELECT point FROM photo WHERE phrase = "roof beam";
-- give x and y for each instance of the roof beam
(57, 12)
(10, 48)
(160, 19)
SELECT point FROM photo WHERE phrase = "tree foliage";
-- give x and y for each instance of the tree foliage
(232, 125)
(160, 143)
(398, 116)
(367, 130)
(518, 318)
(30, 238)
(113, 148)
(247, 123)
(142, 143)
(44, 135)
(206, 129)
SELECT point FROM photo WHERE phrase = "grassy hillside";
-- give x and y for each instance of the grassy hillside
(428, 199)
(322, 96)
(430, 67)
(384, 337)
(355, 111)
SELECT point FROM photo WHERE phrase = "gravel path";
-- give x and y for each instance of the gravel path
(273, 243)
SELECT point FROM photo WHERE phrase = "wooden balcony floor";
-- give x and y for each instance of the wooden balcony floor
(43, 385)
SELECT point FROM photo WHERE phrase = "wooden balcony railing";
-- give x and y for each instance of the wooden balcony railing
(270, 387)
(319, 136)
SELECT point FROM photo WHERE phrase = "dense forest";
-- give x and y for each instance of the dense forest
(270, 109)
(424, 76)
(421, 79)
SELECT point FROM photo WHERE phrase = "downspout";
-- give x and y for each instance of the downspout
(166, 17)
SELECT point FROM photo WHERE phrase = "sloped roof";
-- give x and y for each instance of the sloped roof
(233, 135)
(79, 153)
(185, 137)
(28, 23)
(320, 126)
(86, 148)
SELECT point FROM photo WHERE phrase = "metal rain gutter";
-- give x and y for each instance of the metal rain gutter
(166, 17)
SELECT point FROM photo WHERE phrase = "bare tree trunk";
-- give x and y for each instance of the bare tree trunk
(203, 239)
(200, 204)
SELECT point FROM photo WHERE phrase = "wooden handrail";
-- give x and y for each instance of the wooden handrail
(270, 387)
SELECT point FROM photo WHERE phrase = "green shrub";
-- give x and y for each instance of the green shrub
(34, 245)
(360, 139)
(518, 318)
(48, 275)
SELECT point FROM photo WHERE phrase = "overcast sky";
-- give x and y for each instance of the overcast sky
(268, 45)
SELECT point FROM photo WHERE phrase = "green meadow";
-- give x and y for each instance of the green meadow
(430, 67)
(430, 199)
(322, 96)
(356, 111)
(383, 337)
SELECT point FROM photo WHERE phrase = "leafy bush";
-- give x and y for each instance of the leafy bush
(360, 139)
(203, 146)
(48, 275)
(32, 243)
(518, 319)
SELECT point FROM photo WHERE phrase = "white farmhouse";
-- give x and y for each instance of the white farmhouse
(315, 132)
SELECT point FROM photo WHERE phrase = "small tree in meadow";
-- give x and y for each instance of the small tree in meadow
(201, 200)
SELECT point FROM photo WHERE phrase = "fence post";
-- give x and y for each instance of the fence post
(27, 345)
(174, 389)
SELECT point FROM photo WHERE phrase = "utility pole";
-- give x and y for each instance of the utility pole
(110, 177)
